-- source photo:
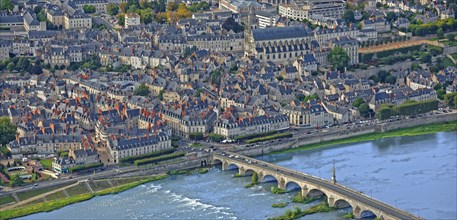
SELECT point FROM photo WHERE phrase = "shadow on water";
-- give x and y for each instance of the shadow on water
(385, 144)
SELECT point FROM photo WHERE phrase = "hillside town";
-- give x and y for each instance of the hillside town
(88, 85)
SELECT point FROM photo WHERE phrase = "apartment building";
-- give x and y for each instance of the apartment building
(325, 8)
(132, 19)
(122, 147)
(217, 43)
(311, 115)
(77, 20)
(230, 128)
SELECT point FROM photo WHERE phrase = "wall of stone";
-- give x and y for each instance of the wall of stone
(415, 122)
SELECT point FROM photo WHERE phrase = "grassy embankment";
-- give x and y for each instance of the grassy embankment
(280, 205)
(413, 131)
(74, 198)
(299, 198)
(188, 172)
(298, 213)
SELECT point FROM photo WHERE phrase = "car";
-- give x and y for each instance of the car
(36, 184)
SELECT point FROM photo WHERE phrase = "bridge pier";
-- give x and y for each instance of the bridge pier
(304, 191)
(241, 171)
(331, 201)
(356, 212)
(282, 184)
(224, 166)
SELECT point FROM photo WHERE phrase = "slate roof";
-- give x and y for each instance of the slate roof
(279, 33)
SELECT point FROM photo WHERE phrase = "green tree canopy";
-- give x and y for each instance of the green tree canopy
(6, 5)
(16, 180)
(141, 90)
(231, 24)
(451, 100)
(112, 9)
(348, 16)
(338, 58)
(391, 16)
(440, 33)
(358, 101)
(89, 9)
(160, 96)
(7, 130)
(364, 110)
(426, 57)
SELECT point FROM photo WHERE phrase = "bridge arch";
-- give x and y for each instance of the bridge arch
(266, 177)
(232, 166)
(292, 186)
(249, 172)
(367, 213)
(341, 203)
(316, 193)
(217, 161)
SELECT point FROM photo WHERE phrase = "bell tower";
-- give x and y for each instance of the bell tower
(250, 24)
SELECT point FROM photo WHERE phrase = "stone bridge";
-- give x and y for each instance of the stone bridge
(337, 195)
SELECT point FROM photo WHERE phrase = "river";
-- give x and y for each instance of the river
(417, 174)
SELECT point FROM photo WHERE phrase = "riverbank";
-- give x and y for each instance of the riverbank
(412, 131)
(57, 204)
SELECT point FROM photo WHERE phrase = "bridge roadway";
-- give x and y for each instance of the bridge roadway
(337, 194)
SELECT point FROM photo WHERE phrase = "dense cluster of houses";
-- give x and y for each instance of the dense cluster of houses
(200, 77)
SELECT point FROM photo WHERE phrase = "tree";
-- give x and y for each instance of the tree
(358, 101)
(348, 16)
(440, 33)
(451, 37)
(123, 7)
(426, 58)
(141, 90)
(189, 50)
(216, 77)
(37, 9)
(10, 66)
(338, 58)
(231, 24)
(183, 12)
(16, 180)
(450, 100)
(382, 74)
(391, 16)
(375, 78)
(89, 9)
(6, 5)
(390, 79)
(121, 19)
(36, 70)
(160, 96)
(23, 64)
(147, 17)
(112, 9)
(364, 110)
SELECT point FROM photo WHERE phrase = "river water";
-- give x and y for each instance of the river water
(417, 174)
